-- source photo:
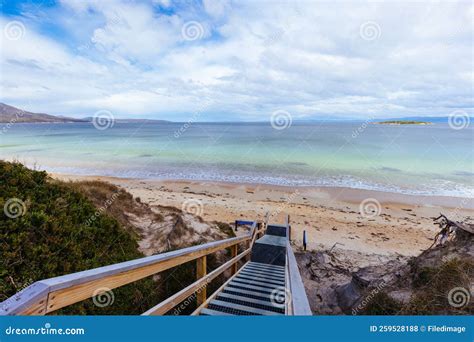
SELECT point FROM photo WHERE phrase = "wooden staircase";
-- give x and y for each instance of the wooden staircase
(267, 284)
(259, 289)
(262, 286)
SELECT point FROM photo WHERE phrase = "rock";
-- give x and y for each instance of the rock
(347, 296)
(402, 296)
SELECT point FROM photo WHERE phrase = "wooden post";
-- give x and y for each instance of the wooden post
(233, 254)
(304, 239)
(201, 271)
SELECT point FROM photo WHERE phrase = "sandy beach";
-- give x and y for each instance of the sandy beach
(401, 225)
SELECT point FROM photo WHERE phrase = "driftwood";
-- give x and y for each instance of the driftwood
(449, 228)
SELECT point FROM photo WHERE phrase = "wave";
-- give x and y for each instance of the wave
(434, 187)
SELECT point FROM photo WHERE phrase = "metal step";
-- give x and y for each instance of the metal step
(262, 275)
(264, 269)
(266, 266)
(255, 288)
(251, 287)
(253, 282)
(228, 307)
(210, 312)
(247, 293)
(255, 269)
(263, 280)
(251, 302)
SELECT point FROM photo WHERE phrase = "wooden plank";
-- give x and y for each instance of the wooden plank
(201, 271)
(29, 301)
(65, 290)
(171, 302)
(254, 236)
(71, 294)
(233, 254)
(214, 295)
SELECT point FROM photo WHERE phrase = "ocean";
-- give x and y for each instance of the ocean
(425, 160)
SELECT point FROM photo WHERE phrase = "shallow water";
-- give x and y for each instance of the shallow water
(429, 160)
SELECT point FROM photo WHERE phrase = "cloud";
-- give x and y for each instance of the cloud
(250, 59)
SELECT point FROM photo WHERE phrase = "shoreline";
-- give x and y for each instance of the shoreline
(330, 217)
(338, 193)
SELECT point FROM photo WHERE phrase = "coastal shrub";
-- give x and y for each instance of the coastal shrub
(225, 228)
(60, 231)
(433, 285)
(382, 304)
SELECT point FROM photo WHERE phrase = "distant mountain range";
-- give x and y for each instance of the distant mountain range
(10, 114)
(433, 119)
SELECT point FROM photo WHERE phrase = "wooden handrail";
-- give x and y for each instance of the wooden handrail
(214, 295)
(198, 285)
(48, 295)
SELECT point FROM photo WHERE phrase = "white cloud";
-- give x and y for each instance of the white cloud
(305, 57)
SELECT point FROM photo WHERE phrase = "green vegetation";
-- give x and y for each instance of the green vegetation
(382, 304)
(404, 122)
(431, 288)
(62, 228)
(59, 232)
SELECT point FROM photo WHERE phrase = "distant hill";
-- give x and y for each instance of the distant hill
(403, 122)
(13, 114)
(90, 119)
(432, 119)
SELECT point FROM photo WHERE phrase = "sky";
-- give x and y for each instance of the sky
(214, 60)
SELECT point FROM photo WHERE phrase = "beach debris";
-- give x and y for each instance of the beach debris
(450, 230)
(333, 246)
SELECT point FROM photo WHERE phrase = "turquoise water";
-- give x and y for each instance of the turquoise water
(430, 160)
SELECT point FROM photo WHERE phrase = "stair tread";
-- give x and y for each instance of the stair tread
(248, 292)
(211, 312)
(252, 287)
(245, 308)
(267, 304)
(255, 282)
(261, 279)
(260, 264)
(262, 275)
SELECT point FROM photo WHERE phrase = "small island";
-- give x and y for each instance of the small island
(403, 122)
